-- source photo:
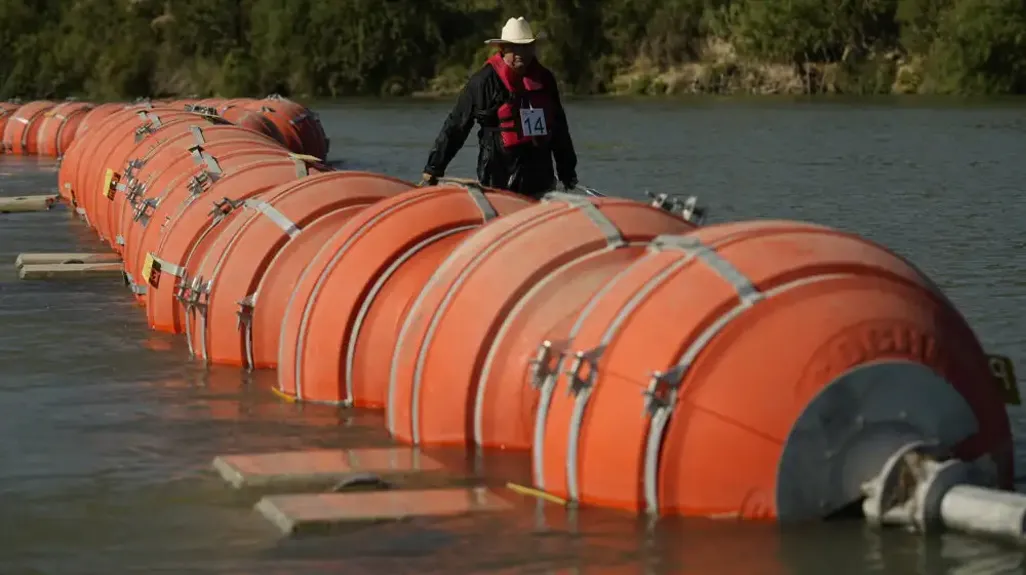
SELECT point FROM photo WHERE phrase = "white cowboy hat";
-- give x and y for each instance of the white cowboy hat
(516, 31)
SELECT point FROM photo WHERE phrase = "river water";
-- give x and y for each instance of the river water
(107, 430)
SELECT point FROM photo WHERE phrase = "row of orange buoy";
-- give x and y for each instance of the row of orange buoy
(646, 363)
(47, 128)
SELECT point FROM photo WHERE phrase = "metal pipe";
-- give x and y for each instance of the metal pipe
(925, 490)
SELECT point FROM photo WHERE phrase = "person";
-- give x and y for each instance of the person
(524, 128)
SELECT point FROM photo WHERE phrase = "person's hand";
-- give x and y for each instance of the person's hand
(569, 184)
(427, 179)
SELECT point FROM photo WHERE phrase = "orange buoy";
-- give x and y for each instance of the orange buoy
(175, 185)
(297, 123)
(232, 265)
(57, 130)
(7, 109)
(79, 156)
(760, 370)
(264, 321)
(71, 157)
(143, 150)
(182, 231)
(152, 169)
(446, 339)
(124, 160)
(97, 143)
(329, 306)
(22, 127)
(102, 178)
(253, 120)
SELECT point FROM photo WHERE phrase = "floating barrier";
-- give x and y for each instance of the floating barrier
(767, 370)
(21, 132)
(59, 127)
(227, 272)
(7, 109)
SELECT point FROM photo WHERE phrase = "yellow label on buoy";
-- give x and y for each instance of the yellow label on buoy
(1004, 377)
(110, 183)
(151, 270)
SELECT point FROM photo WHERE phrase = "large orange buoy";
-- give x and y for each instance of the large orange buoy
(232, 266)
(7, 109)
(98, 142)
(91, 133)
(101, 177)
(134, 154)
(164, 265)
(235, 112)
(297, 123)
(263, 322)
(446, 340)
(151, 169)
(71, 157)
(329, 306)
(124, 160)
(187, 177)
(22, 127)
(760, 370)
(57, 130)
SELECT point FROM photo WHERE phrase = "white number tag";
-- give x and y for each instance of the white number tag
(532, 120)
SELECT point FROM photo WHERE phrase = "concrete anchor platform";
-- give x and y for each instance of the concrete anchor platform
(27, 203)
(70, 271)
(328, 512)
(328, 466)
(65, 258)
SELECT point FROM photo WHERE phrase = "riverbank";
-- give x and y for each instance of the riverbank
(312, 50)
(721, 71)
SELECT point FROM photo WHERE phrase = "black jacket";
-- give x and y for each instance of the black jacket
(527, 168)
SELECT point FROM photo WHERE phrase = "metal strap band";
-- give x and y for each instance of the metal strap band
(302, 170)
(279, 219)
(477, 194)
(488, 211)
(609, 230)
(169, 268)
(213, 168)
(200, 156)
(693, 247)
(197, 135)
(245, 323)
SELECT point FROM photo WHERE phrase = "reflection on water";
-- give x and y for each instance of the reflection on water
(107, 430)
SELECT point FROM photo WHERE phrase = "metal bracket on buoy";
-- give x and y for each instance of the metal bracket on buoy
(223, 207)
(200, 182)
(659, 391)
(144, 210)
(133, 191)
(687, 208)
(546, 361)
(192, 295)
(924, 490)
(583, 360)
(130, 169)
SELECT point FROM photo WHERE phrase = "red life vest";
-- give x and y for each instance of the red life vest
(528, 91)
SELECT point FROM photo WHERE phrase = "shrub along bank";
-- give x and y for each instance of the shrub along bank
(334, 48)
